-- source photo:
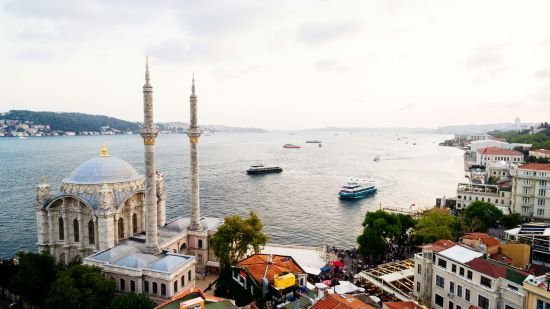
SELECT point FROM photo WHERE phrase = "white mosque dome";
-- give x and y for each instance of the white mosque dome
(103, 169)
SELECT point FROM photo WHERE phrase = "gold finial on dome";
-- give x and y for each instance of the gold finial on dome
(104, 151)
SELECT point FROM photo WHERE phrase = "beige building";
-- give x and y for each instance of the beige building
(540, 153)
(459, 277)
(467, 193)
(537, 292)
(531, 190)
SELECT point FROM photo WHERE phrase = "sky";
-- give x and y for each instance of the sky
(281, 64)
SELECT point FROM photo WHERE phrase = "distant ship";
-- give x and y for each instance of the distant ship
(291, 146)
(355, 189)
(313, 141)
(376, 159)
(261, 169)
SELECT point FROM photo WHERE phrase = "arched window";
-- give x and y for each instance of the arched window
(91, 232)
(189, 276)
(61, 229)
(163, 289)
(132, 286)
(155, 289)
(134, 223)
(146, 286)
(182, 281)
(183, 248)
(175, 286)
(76, 231)
(122, 285)
(200, 243)
(120, 228)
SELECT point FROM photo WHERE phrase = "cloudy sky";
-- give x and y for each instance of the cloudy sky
(281, 64)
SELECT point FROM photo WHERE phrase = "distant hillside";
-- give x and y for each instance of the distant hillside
(75, 122)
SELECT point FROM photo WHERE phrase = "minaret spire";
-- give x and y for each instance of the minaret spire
(194, 132)
(149, 133)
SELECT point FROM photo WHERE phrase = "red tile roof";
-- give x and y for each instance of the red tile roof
(439, 245)
(544, 151)
(344, 301)
(495, 270)
(258, 263)
(499, 151)
(490, 241)
(535, 166)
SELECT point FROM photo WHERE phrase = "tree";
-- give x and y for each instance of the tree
(479, 216)
(511, 221)
(381, 228)
(8, 269)
(132, 300)
(80, 286)
(235, 237)
(436, 224)
(34, 276)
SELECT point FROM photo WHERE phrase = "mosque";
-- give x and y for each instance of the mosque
(106, 214)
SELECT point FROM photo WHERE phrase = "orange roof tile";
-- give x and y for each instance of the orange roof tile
(535, 166)
(401, 305)
(344, 301)
(487, 239)
(439, 245)
(499, 151)
(257, 265)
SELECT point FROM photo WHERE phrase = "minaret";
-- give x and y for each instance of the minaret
(149, 133)
(194, 132)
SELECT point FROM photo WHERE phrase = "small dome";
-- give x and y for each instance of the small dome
(103, 169)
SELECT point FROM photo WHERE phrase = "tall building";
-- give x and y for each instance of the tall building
(108, 215)
(531, 191)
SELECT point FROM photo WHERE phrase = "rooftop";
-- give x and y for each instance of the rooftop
(103, 169)
(460, 254)
(495, 270)
(310, 259)
(499, 151)
(439, 245)
(343, 301)
(544, 151)
(258, 265)
(535, 167)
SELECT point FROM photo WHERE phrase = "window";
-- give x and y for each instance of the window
(418, 286)
(458, 307)
(419, 271)
(525, 210)
(122, 285)
(134, 224)
(155, 288)
(461, 271)
(76, 231)
(120, 228)
(91, 232)
(175, 286)
(146, 286)
(132, 286)
(467, 294)
(438, 300)
(451, 305)
(526, 191)
(542, 192)
(469, 275)
(163, 289)
(459, 290)
(485, 281)
(527, 181)
(440, 282)
(189, 276)
(540, 212)
(200, 243)
(182, 281)
(543, 183)
(453, 268)
(441, 262)
(512, 287)
(451, 287)
(542, 305)
(525, 200)
(540, 202)
(508, 307)
(483, 302)
(61, 229)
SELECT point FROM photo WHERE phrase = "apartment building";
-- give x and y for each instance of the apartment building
(531, 191)
(467, 193)
(460, 277)
(495, 154)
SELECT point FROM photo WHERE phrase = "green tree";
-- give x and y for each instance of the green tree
(132, 300)
(80, 286)
(480, 216)
(8, 269)
(511, 221)
(235, 237)
(381, 228)
(436, 224)
(34, 276)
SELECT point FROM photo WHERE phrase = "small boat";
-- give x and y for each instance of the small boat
(313, 141)
(414, 144)
(261, 169)
(355, 189)
(376, 159)
(291, 146)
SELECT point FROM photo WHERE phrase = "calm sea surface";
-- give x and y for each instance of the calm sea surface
(298, 206)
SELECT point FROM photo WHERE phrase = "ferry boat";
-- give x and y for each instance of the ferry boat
(313, 141)
(261, 169)
(355, 189)
(291, 146)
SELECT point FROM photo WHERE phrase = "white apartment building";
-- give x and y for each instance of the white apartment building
(467, 193)
(459, 277)
(494, 154)
(531, 190)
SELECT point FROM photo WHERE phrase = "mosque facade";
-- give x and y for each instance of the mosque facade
(108, 215)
